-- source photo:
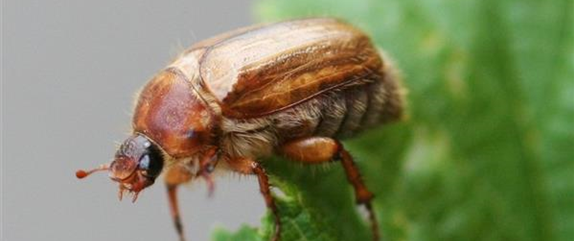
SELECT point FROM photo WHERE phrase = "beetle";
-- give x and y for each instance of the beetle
(293, 88)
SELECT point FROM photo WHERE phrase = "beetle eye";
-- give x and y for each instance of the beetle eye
(151, 163)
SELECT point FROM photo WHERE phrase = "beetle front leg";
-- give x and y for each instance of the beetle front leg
(180, 174)
(314, 150)
(248, 166)
(175, 176)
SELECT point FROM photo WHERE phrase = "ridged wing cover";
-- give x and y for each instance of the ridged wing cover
(262, 70)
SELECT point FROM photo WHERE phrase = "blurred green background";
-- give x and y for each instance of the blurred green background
(488, 150)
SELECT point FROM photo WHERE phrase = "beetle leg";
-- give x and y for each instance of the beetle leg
(175, 176)
(248, 166)
(207, 166)
(314, 150)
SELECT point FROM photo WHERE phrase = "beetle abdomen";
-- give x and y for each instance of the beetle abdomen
(352, 110)
(339, 113)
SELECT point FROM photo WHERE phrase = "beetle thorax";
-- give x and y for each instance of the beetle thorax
(172, 114)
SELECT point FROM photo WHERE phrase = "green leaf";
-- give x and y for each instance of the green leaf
(488, 151)
(243, 234)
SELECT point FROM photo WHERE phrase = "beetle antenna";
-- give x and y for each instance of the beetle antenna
(82, 173)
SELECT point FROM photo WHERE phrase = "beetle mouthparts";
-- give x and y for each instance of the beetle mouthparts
(123, 190)
(82, 173)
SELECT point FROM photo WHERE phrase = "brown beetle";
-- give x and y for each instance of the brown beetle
(293, 88)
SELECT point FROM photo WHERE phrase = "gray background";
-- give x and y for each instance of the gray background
(69, 72)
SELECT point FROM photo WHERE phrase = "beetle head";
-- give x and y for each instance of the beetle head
(137, 164)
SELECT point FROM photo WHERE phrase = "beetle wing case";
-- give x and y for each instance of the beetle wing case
(258, 71)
